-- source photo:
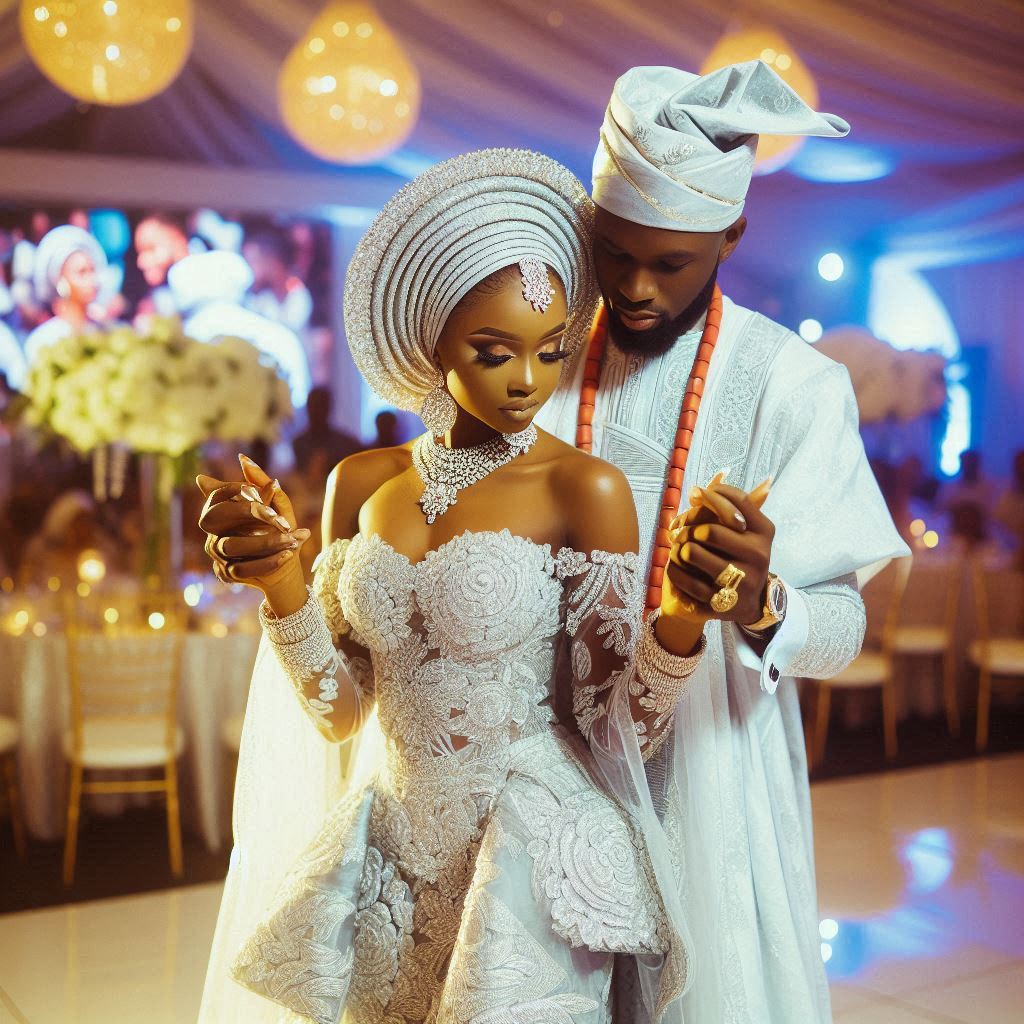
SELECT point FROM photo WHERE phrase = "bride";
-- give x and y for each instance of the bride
(476, 616)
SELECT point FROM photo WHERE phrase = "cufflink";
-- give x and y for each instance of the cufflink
(773, 673)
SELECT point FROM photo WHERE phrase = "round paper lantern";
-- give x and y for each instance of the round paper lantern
(773, 151)
(111, 52)
(347, 91)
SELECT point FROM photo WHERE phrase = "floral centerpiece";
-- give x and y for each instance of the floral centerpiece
(158, 393)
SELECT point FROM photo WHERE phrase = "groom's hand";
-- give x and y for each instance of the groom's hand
(724, 527)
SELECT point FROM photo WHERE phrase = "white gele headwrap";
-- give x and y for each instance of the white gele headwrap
(441, 235)
(53, 252)
(677, 150)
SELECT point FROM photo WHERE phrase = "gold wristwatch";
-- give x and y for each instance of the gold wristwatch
(774, 610)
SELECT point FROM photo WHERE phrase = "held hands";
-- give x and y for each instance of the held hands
(723, 527)
(252, 537)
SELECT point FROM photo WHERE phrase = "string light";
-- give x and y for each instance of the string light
(156, 620)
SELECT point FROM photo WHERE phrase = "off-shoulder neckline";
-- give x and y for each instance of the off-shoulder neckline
(563, 554)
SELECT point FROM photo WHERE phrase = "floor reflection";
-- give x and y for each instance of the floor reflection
(921, 886)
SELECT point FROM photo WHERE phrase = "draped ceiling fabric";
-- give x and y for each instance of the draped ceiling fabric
(933, 89)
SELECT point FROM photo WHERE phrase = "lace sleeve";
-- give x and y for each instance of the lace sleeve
(613, 654)
(835, 632)
(332, 675)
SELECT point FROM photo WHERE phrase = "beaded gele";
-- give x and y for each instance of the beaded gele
(447, 230)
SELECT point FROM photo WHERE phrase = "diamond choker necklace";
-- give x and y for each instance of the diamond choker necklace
(446, 471)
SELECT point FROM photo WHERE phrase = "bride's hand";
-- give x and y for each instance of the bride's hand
(251, 533)
(682, 617)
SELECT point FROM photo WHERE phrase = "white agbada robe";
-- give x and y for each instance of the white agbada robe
(733, 785)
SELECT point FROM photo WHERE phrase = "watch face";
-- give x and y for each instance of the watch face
(777, 599)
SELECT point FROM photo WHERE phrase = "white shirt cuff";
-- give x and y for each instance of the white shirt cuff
(789, 640)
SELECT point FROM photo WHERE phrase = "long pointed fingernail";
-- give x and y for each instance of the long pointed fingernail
(283, 523)
(696, 495)
(250, 493)
(740, 518)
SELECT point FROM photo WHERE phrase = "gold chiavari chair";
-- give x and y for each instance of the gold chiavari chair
(873, 667)
(931, 639)
(124, 689)
(998, 651)
(9, 768)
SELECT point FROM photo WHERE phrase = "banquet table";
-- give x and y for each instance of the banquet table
(214, 683)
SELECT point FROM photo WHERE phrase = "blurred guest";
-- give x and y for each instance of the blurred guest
(12, 359)
(209, 288)
(320, 436)
(387, 429)
(161, 240)
(70, 527)
(1010, 508)
(276, 292)
(906, 488)
(968, 499)
(66, 276)
(29, 312)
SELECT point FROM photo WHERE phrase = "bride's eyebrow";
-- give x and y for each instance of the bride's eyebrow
(493, 332)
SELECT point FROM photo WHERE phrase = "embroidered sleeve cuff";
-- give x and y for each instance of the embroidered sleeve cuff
(294, 628)
(659, 669)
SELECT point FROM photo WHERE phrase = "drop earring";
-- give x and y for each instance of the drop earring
(63, 288)
(438, 411)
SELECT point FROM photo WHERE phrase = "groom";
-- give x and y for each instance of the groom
(673, 164)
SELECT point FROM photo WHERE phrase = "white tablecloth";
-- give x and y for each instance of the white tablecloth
(214, 686)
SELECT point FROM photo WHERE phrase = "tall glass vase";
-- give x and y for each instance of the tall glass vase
(162, 479)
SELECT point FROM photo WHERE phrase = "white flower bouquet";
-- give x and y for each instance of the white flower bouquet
(160, 392)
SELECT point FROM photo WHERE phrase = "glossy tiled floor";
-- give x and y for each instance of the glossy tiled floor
(920, 875)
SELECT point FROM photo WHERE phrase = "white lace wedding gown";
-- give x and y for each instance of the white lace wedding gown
(491, 868)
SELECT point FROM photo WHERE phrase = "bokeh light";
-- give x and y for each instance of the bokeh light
(347, 91)
(811, 330)
(112, 54)
(831, 266)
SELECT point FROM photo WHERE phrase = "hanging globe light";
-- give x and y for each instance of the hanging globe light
(347, 91)
(111, 52)
(773, 151)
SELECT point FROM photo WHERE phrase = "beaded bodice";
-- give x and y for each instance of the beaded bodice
(462, 643)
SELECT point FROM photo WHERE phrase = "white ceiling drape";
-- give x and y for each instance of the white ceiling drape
(933, 89)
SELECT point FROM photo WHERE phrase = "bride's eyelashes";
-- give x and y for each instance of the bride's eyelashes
(554, 357)
(490, 359)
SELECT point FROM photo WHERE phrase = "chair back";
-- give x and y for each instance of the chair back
(998, 599)
(129, 674)
(932, 594)
(883, 596)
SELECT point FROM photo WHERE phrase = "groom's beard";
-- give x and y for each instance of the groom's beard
(658, 340)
